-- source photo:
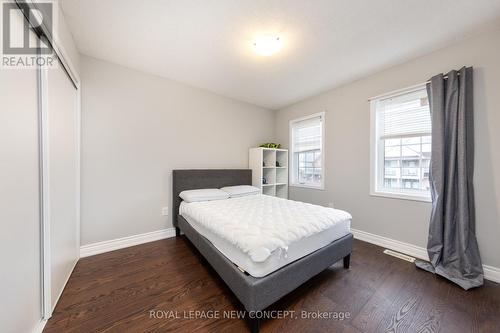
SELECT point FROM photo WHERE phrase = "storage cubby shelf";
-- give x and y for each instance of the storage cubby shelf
(271, 164)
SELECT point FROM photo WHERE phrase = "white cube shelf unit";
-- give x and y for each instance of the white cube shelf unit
(269, 170)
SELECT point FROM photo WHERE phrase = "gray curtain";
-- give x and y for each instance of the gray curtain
(452, 244)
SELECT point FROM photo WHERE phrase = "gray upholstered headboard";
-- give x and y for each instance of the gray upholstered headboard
(205, 178)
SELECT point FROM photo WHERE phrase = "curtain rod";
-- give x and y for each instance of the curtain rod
(404, 90)
(444, 77)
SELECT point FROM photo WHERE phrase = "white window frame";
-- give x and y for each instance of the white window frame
(376, 145)
(323, 155)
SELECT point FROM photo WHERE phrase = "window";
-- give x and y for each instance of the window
(307, 138)
(401, 145)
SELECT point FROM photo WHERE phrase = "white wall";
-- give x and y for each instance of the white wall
(136, 128)
(348, 149)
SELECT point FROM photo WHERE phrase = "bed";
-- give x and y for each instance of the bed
(256, 286)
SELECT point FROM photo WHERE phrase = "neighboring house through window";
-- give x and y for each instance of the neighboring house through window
(401, 144)
(307, 146)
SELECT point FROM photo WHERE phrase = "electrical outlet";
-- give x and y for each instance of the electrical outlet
(164, 211)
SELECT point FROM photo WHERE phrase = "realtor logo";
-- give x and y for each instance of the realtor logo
(26, 31)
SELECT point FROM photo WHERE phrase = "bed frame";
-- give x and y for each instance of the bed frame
(254, 293)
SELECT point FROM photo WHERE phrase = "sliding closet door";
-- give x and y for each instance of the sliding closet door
(62, 179)
(20, 253)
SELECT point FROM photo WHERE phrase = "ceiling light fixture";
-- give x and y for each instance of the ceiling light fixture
(267, 45)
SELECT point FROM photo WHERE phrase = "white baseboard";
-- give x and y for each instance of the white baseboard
(490, 273)
(120, 243)
(392, 244)
(40, 326)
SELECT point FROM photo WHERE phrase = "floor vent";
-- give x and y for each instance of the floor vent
(399, 255)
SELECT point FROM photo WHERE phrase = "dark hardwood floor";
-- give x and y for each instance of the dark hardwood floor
(115, 292)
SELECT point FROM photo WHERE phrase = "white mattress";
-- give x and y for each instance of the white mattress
(252, 208)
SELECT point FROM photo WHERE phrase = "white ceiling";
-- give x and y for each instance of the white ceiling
(208, 43)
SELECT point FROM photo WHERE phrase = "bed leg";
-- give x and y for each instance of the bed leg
(177, 232)
(254, 325)
(347, 261)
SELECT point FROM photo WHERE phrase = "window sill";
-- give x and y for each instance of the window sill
(312, 187)
(402, 196)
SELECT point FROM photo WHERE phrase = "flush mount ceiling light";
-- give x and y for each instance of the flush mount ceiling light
(267, 45)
